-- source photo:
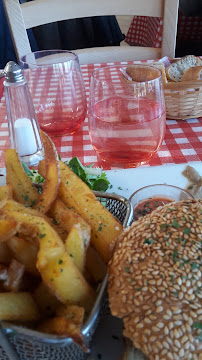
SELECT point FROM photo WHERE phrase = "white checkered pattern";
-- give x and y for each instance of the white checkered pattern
(182, 142)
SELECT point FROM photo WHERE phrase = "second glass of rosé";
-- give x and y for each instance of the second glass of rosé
(57, 88)
(127, 119)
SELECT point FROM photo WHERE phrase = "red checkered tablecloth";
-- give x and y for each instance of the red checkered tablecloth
(147, 31)
(182, 142)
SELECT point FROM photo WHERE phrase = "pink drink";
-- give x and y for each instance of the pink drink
(57, 88)
(61, 123)
(126, 131)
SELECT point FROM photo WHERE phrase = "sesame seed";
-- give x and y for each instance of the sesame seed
(177, 343)
(155, 328)
(159, 309)
(166, 330)
(166, 345)
(170, 325)
(139, 326)
(184, 339)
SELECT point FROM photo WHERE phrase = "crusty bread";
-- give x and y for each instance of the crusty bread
(142, 73)
(193, 73)
(176, 70)
(161, 66)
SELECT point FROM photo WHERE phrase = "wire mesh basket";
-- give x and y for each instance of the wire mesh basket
(33, 345)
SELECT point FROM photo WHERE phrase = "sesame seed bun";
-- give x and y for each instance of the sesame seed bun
(155, 282)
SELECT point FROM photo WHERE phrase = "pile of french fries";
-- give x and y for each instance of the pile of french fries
(55, 243)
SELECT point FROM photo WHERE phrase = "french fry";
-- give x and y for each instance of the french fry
(25, 252)
(8, 228)
(95, 265)
(61, 275)
(63, 327)
(74, 244)
(5, 192)
(11, 205)
(44, 246)
(72, 312)
(55, 265)
(105, 228)
(5, 253)
(22, 187)
(25, 230)
(42, 168)
(18, 307)
(46, 301)
(67, 217)
(50, 186)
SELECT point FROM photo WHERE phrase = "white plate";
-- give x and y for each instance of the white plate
(107, 342)
(126, 181)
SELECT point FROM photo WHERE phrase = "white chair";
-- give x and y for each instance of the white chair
(38, 12)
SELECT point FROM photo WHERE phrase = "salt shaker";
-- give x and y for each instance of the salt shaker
(23, 125)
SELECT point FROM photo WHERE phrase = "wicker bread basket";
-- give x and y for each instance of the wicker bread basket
(183, 99)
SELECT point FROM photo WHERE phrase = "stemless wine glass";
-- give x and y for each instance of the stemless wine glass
(126, 119)
(57, 89)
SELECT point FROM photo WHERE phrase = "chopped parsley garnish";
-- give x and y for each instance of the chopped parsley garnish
(54, 221)
(172, 279)
(100, 227)
(175, 224)
(194, 266)
(163, 226)
(148, 241)
(186, 231)
(42, 235)
(127, 269)
(175, 255)
(60, 261)
(197, 325)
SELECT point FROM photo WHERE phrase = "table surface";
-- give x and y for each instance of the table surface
(182, 142)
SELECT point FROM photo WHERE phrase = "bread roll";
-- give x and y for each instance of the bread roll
(154, 282)
(142, 73)
(193, 73)
(176, 70)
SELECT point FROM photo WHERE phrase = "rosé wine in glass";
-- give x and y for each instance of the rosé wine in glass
(55, 81)
(126, 121)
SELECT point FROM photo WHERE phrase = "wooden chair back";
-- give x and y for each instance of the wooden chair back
(38, 12)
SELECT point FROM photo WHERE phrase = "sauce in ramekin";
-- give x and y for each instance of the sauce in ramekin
(147, 206)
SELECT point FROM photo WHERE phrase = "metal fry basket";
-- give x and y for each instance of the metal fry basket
(33, 345)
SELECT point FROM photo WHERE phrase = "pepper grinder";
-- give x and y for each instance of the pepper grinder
(23, 125)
